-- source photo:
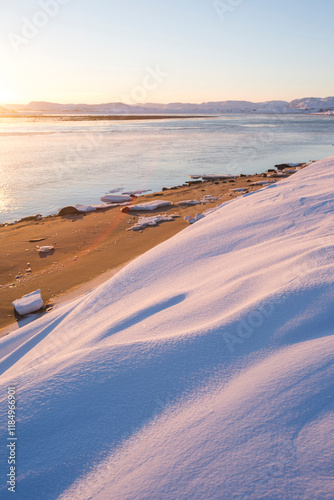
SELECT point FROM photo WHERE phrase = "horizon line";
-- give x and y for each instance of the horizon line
(4, 104)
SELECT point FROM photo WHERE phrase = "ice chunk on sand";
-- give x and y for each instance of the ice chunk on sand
(90, 208)
(208, 198)
(151, 221)
(192, 220)
(189, 202)
(29, 303)
(45, 249)
(112, 198)
(149, 206)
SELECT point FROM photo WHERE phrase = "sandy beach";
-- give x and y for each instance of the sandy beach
(88, 246)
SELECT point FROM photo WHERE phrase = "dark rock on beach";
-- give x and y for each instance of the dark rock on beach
(68, 211)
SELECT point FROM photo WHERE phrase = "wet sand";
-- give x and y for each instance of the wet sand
(87, 246)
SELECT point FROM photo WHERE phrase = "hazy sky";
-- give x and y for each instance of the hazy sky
(165, 51)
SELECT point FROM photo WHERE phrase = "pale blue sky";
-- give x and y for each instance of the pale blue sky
(104, 50)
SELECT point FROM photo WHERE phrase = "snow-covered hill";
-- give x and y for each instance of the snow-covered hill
(202, 370)
(306, 105)
(313, 104)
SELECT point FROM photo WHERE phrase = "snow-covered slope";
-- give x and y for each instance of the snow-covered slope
(306, 105)
(202, 370)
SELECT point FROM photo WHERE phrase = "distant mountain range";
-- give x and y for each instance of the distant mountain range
(305, 105)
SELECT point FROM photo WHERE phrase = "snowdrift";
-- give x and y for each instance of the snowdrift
(202, 370)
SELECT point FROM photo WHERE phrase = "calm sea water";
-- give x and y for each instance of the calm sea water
(47, 165)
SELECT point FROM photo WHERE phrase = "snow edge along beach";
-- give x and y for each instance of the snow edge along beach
(203, 369)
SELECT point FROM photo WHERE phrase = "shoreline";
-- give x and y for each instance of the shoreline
(92, 247)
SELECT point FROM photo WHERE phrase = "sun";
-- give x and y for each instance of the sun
(7, 96)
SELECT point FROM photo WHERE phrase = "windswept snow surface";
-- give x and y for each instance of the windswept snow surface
(202, 370)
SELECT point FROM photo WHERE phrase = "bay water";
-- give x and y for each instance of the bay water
(48, 164)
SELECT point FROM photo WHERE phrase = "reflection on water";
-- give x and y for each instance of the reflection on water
(7, 203)
(47, 165)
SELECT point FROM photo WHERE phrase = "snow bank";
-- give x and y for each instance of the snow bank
(202, 370)
(29, 303)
